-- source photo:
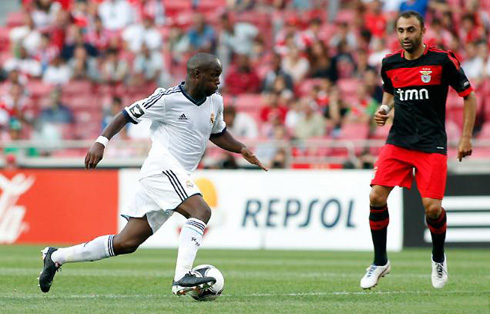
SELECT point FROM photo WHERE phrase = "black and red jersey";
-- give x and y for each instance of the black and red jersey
(420, 90)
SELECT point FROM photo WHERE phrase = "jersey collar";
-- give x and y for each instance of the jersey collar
(425, 51)
(197, 103)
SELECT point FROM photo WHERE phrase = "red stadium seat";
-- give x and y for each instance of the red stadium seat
(354, 131)
(380, 133)
(38, 88)
(304, 87)
(348, 86)
(78, 87)
(15, 19)
(248, 101)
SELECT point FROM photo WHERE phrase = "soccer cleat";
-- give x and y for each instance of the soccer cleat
(191, 282)
(373, 273)
(49, 269)
(439, 273)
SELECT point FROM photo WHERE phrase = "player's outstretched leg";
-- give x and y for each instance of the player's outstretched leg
(127, 241)
(436, 220)
(378, 221)
(198, 214)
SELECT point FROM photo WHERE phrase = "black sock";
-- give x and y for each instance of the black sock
(378, 221)
(437, 229)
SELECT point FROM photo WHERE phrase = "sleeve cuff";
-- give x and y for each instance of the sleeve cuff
(466, 92)
(214, 135)
(128, 117)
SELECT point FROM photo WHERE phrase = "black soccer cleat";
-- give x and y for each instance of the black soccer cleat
(49, 269)
(191, 282)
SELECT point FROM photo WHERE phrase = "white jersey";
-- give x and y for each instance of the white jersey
(180, 128)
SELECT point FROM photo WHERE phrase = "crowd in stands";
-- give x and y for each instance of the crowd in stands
(293, 69)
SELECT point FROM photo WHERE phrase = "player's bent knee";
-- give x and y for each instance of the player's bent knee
(125, 246)
(433, 210)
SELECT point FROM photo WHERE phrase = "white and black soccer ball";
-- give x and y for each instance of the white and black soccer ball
(212, 292)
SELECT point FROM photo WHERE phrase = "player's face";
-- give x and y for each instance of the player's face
(410, 33)
(210, 79)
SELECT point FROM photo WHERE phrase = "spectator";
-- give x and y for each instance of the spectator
(311, 123)
(136, 35)
(82, 66)
(344, 61)
(236, 37)
(202, 36)
(419, 6)
(115, 14)
(109, 112)
(379, 51)
(13, 77)
(295, 64)
(52, 121)
(26, 35)
(97, 35)
(46, 52)
(273, 109)
(364, 107)
(344, 33)
(26, 65)
(154, 9)
(240, 124)
(15, 106)
(276, 71)
(242, 78)
(149, 67)
(58, 72)
(335, 111)
(44, 13)
(374, 19)
(114, 70)
(320, 63)
(79, 41)
(362, 65)
(470, 31)
(473, 65)
(177, 44)
(372, 81)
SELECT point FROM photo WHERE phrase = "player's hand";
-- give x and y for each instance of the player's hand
(94, 155)
(251, 158)
(380, 117)
(464, 148)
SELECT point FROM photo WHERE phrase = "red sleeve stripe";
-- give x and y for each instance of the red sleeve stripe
(466, 92)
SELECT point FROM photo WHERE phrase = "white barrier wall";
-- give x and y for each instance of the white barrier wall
(281, 209)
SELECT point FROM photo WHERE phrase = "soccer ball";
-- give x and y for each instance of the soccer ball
(213, 292)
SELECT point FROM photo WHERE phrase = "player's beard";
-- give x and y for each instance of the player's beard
(414, 44)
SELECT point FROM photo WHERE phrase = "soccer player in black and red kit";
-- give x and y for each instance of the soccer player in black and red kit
(416, 81)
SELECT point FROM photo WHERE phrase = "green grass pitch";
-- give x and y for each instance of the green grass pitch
(255, 282)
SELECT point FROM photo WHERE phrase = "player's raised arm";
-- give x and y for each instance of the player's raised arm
(469, 115)
(226, 141)
(96, 151)
(382, 113)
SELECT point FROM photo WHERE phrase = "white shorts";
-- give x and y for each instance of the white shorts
(159, 195)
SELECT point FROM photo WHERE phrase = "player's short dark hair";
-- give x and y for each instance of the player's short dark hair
(409, 14)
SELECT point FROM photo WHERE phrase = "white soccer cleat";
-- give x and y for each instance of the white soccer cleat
(373, 273)
(439, 273)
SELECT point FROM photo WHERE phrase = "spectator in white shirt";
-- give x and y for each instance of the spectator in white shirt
(24, 64)
(57, 73)
(115, 14)
(26, 35)
(145, 33)
(240, 124)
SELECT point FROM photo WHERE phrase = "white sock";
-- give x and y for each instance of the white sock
(189, 242)
(98, 248)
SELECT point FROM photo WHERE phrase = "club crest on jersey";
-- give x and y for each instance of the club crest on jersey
(426, 76)
(212, 118)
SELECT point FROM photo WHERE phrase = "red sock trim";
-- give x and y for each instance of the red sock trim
(378, 225)
(439, 230)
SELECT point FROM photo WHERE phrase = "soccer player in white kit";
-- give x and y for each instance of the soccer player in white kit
(183, 119)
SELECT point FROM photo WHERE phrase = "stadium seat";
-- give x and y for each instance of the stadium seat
(78, 87)
(248, 101)
(354, 131)
(38, 88)
(348, 86)
(4, 40)
(305, 86)
(15, 19)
